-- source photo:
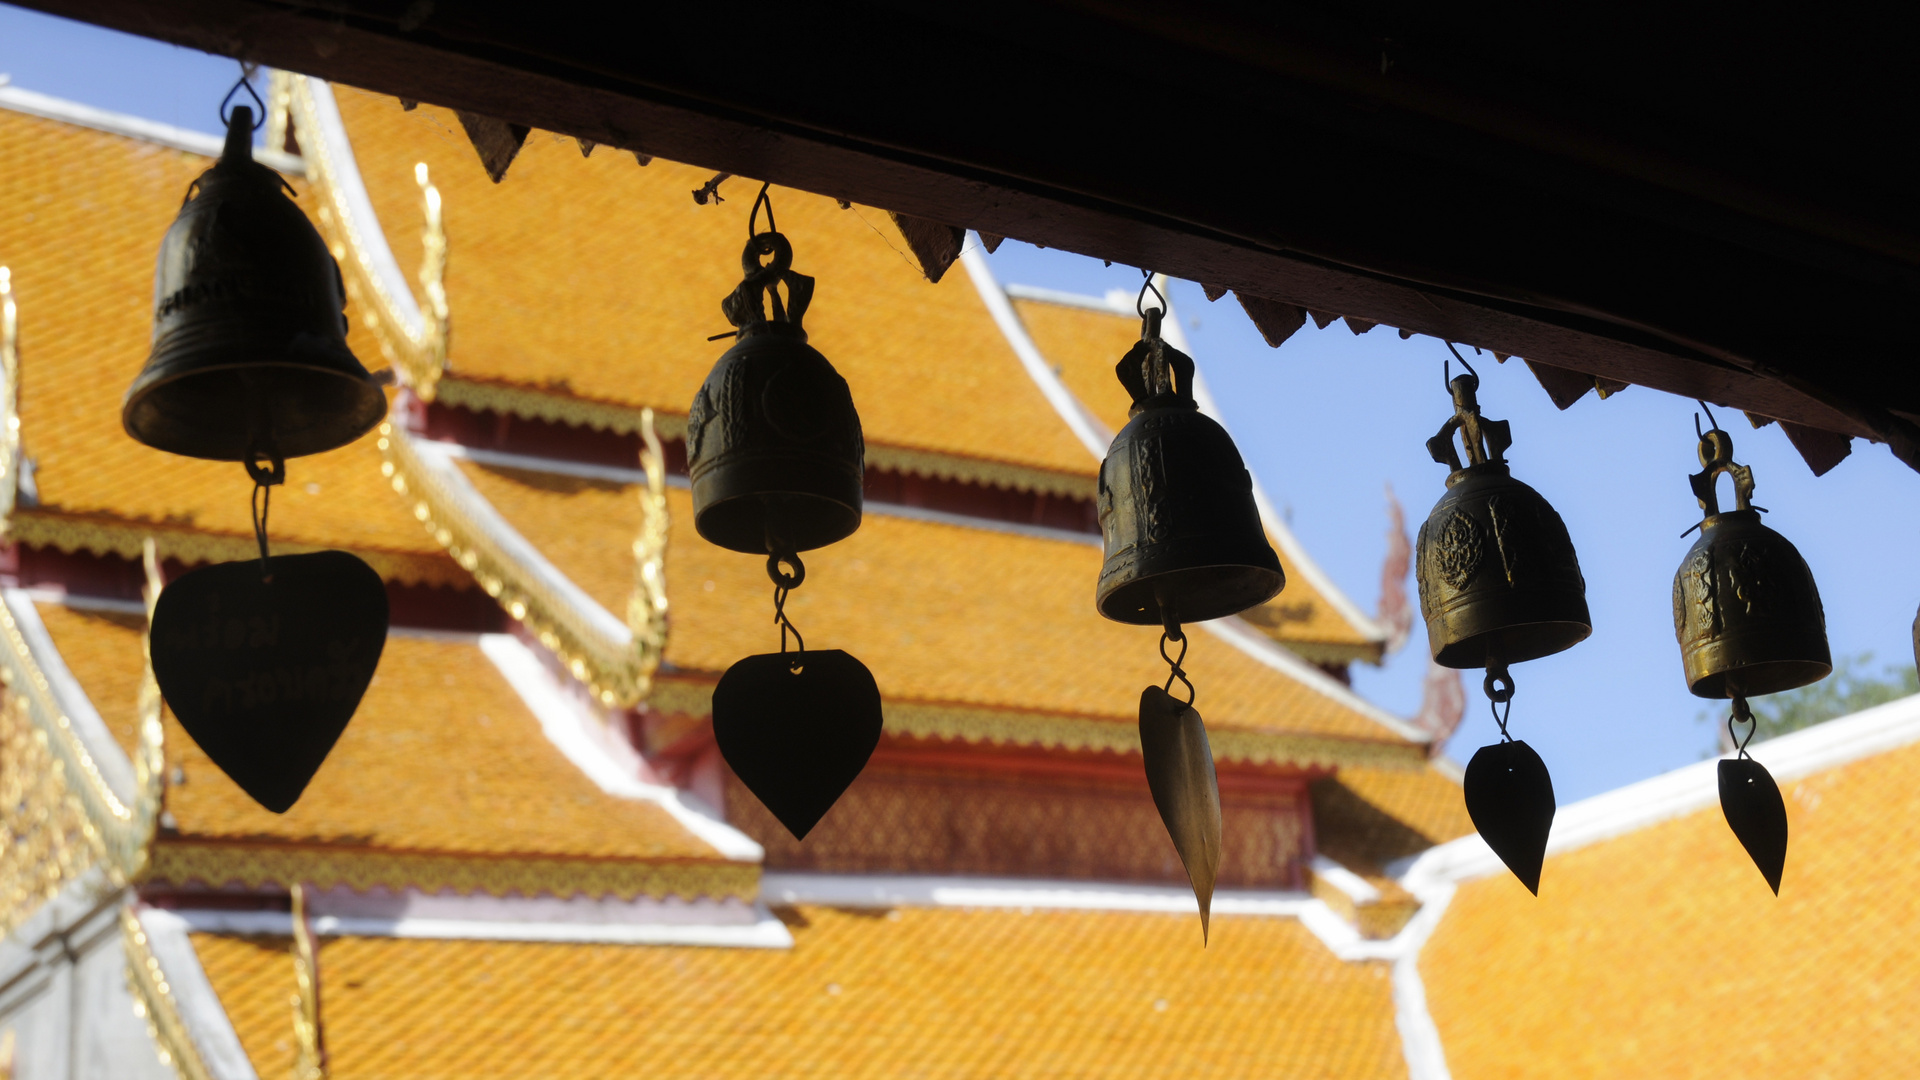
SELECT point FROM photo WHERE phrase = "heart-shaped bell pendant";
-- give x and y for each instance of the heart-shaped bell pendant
(1179, 764)
(264, 662)
(1751, 801)
(796, 727)
(1509, 796)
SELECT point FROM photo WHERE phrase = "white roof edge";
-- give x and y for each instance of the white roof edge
(363, 223)
(436, 458)
(1291, 551)
(765, 931)
(562, 721)
(1685, 790)
(1241, 635)
(1079, 419)
(47, 107)
(200, 1008)
(115, 767)
(1065, 299)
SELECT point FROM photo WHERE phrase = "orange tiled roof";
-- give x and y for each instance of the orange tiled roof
(86, 211)
(938, 612)
(907, 992)
(442, 759)
(603, 280)
(1367, 817)
(1084, 345)
(1661, 953)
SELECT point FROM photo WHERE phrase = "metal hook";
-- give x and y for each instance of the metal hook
(1140, 302)
(1710, 419)
(1463, 363)
(1176, 671)
(1742, 712)
(753, 215)
(260, 115)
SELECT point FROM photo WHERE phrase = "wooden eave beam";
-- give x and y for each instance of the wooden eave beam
(1293, 167)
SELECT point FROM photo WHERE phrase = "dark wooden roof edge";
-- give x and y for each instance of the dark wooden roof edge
(1739, 313)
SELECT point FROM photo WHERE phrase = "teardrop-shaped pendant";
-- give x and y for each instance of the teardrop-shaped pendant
(1179, 763)
(1509, 796)
(1757, 815)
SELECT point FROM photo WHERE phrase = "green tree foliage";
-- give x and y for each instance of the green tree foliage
(1853, 686)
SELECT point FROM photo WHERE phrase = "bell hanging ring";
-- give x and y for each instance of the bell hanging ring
(1745, 606)
(774, 447)
(1498, 577)
(1183, 536)
(250, 330)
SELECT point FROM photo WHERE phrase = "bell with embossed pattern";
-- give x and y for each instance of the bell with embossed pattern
(1499, 580)
(774, 447)
(1499, 584)
(1745, 606)
(250, 357)
(1183, 536)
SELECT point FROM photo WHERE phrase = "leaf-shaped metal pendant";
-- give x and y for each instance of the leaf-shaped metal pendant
(265, 672)
(1756, 814)
(1179, 761)
(797, 736)
(1510, 799)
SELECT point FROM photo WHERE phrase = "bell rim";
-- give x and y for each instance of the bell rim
(1470, 653)
(1105, 599)
(373, 403)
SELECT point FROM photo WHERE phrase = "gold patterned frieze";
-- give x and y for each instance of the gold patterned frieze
(123, 539)
(215, 865)
(1084, 734)
(413, 332)
(616, 659)
(154, 1002)
(44, 841)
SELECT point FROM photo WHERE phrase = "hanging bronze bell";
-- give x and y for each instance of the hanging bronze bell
(250, 354)
(1499, 580)
(774, 447)
(1183, 536)
(1745, 607)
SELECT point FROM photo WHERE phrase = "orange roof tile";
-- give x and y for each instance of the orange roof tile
(87, 211)
(908, 992)
(1084, 345)
(938, 612)
(102, 649)
(1662, 953)
(604, 280)
(442, 757)
(254, 979)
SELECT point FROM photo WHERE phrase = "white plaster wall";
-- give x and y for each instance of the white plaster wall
(63, 991)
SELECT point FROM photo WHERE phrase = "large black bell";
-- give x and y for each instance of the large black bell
(773, 442)
(1745, 607)
(250, 350)
(1499, 580)
(1183, 535)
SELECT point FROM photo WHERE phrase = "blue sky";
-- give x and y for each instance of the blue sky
(1330, 419)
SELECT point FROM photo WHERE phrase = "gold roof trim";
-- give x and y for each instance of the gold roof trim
(217, 864)
(153, 1001)
(1009, 727)
(110, 537)
(413, 336)
(532, 404)
(44, 841)
(618, 669)
(120, 830)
